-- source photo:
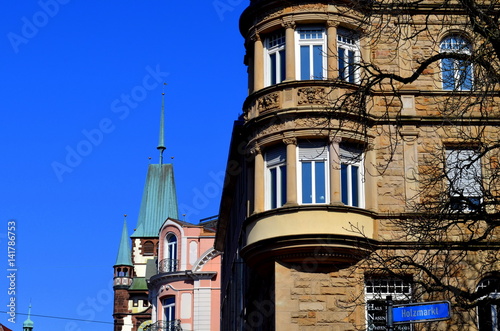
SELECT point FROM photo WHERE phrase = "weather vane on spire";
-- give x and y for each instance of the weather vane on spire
(161, 143)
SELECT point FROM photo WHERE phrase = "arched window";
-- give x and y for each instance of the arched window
(456, 74)
(488, 308)
(170, 261)
(149, 248)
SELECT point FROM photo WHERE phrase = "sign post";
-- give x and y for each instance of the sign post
(417, 312)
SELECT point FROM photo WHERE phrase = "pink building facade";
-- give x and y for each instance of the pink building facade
(185, 287)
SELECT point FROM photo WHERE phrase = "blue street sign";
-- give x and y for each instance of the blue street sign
(421, 312)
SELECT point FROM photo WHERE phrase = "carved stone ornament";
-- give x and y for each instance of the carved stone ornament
(290, 141)
(270, 14)
(288, 24)
(255, 150)
(269, 101)
(309, 7)
(312, 95)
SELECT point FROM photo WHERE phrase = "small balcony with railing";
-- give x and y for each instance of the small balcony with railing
(174, 325)
(168, 266)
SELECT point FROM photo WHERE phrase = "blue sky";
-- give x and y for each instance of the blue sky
(81, 85)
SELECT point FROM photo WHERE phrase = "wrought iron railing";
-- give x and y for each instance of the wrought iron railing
(166, 326)
(168, 265)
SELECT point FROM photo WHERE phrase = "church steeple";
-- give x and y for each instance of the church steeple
(159, 199)
(161, 142)
(28, 324)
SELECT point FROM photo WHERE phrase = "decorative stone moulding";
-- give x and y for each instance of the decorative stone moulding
(312, 95)
(268, 101)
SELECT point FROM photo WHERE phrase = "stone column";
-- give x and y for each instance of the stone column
(290, 50)
(335, 194)
(258, 63)
(258, 180)
(291, 171)
(332, 59)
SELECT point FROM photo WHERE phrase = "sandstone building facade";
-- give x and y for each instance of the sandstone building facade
(363, 166)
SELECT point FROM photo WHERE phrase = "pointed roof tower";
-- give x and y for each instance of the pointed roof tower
(123, 257)
(28, 324)
(161, 141)
(159, 198)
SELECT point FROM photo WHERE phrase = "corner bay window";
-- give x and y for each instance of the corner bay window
(313, 172)
(275, 159)
(311, 53)
(275, 59)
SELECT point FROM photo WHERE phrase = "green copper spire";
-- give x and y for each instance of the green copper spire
(123, 257)
(159, 198)
(28, 324)
(161, 143)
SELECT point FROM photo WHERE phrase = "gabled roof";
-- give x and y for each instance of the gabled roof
(124, 257)
(159, 201)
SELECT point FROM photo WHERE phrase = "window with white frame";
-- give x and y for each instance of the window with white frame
(311, 53)
(275, 60)
(463, 172)
(488, 309)
(168, 314)
(313, 172)
(275, 158)
(376, 291)
(352, 176)
(348, 55)
(456, 74)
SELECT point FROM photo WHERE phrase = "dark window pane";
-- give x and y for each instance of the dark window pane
(341, 56)
(273, 187)
(354, 186)
(343, 180)
(272, 68)
(351, 66)
(282, 65)
(283, 185)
